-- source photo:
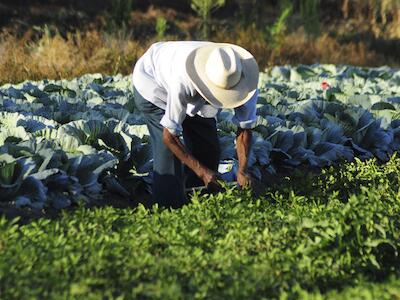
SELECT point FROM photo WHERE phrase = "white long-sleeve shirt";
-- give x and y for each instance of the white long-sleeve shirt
(160, 77)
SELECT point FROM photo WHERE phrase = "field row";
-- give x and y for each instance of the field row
(335, 236)
(63, 141)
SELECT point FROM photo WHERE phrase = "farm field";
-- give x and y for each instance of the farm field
(66, 141)
(333, 236)
(328, 226)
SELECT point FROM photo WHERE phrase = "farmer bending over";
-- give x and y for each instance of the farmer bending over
(179, 87)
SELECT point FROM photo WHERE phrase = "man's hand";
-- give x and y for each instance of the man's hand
(243, 179)
(208, 176)
(210, 179)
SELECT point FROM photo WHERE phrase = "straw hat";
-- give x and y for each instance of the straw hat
(225, 75)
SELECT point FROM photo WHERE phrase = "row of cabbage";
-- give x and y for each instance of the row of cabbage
(61, 141)
(64, 140)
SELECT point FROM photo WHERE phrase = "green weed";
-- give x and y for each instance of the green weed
(310, 237)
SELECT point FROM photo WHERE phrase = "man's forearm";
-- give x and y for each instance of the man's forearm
(178, 149)
(243, 143)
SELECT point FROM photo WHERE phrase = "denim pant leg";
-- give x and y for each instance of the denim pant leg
(201, 139)
(168, 186)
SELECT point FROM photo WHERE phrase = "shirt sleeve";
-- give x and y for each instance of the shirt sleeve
(245, 115)
(175, 111)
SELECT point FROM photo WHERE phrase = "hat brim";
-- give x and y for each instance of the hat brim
(215, 95)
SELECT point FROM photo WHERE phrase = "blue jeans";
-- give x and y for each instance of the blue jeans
(170, 178)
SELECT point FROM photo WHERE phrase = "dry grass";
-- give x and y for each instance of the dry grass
(325, 49)
(298, 48)
(53, 56)
(381, 17)
(57, 57)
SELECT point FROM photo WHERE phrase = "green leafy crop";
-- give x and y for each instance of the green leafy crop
(310, 236)
(326, 226)
(308, 117)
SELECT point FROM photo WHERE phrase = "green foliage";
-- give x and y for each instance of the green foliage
(312, 236)
(72, 127)
(276, 33)
(120, 14)
(161, 27)
(309, 10)
(385, 291)
(204, 9)
(249, 11)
